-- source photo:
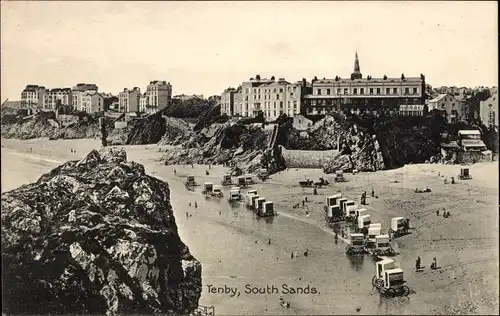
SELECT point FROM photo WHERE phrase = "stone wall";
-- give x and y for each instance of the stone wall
(307, 158)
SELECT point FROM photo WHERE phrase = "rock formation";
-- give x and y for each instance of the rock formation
(95, 236)
(241, 145)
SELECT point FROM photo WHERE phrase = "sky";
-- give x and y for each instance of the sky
(205, 47)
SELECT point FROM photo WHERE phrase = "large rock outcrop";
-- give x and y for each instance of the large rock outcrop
(95, 236)
(241, 145)
(177, 131)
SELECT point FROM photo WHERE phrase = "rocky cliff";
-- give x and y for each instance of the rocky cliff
(95, 236)
(45, 125)
(242, 145)
(147, 130)
(370, 143)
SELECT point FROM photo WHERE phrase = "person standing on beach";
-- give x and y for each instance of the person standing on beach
(195, 204)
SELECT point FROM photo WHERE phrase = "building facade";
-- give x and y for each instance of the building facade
(92, 102)
(450, 107)
(489, 111)
(227, 102)
(159, 96)
(128, 100)
(34, 96)
(77, 93)
(267, 96)
(359, 94)
(58, 96)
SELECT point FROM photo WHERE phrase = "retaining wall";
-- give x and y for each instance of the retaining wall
(307, 158)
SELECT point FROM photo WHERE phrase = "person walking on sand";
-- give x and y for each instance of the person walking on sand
(306, 253)
(175, 172)
(195, 204)
(373, 193)
(189, 203)
(269, 242)
(291, 255)
(187, 214)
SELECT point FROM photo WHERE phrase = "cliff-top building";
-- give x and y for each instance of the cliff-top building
(365, 94)
(158, 96)
(128, 100)
(33, 96)
(77, 93)
(267, 96)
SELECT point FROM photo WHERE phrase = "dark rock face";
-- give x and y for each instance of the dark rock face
(148, 130)
(239, 144)
(95, 236)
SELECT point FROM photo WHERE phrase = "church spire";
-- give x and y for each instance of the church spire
(357, 72)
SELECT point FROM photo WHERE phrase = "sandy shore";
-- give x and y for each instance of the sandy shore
(466, 244)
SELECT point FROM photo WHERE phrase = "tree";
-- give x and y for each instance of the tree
(272, 78)
(402, 76)
(257, 77)
(385, 77)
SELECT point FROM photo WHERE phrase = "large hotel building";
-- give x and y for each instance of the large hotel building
(356, 94)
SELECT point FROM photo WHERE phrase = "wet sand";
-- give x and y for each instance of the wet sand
(466, 245)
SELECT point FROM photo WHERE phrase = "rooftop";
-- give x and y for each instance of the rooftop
(366, 80)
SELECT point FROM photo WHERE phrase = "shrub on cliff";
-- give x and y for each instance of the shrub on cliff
(192, 108)
(95, 236)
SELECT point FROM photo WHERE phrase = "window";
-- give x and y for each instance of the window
(281, 104)
(328, 91)
(246, 107)
(371, 90)
(277, 97)
(346, 91)
(319, 91)
(274, 105)
(294, 104)
(388, 91)
(274, 112)
(246, 98)
(254, 90)
(274, 90)
(378, 90)
(395, 90)
(355, 91)
(362, 91)
(294, 89)
(247, 90)
(338, 90)
(289, 103)
(281, 90)
(407, 90)
(415, 90)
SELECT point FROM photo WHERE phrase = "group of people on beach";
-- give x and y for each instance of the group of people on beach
(418, 262)
(195, 206)
(446, 214)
